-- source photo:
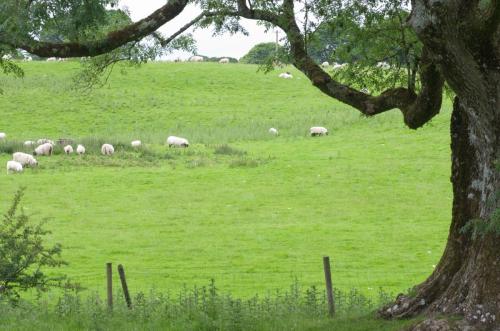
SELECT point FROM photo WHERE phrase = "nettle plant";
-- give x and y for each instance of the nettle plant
(23, 254)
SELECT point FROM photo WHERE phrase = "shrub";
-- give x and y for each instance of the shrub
(23, 254)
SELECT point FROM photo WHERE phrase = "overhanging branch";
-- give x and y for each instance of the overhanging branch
(416, 109)
(113, 40)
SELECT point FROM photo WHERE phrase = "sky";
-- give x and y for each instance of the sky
(218, 46)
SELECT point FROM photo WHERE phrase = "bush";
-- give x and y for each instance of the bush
(23, 254)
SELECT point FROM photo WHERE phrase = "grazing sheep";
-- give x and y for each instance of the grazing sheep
(25, 159)
(224, 60)
(107, 149)
(28, 59)
(45, 141)
(196, 58)
(383, 65)
(173, 141)
(273, 131)
(14, 166)
(44, 149)
(318, 131)
(325, 64)
(339, 66)
(2, 135)
(68, 149)
(80, 149)
(285, 75)
(136, 143)
(51, 59)
(29, 143)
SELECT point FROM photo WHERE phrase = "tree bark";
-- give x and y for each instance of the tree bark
(467, 279)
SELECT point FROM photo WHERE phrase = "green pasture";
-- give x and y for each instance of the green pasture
(373, 195)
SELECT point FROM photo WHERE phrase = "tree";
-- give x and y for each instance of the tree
(263, 53)
(459, 46)
(23, 254)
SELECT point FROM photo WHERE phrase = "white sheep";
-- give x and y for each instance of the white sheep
(29, 143)
(2, 135)
(51, 59)
(7, 57)
(68, 149)
(339, 66)
(196, 58)
(14, 166)
(173, 141)
(318, 131)
(273, 131)
(107, 149)
(224, 60)
(44, 149)
(136, 143)
(325, 64)
(45, 141)
(80, 149)
(383, 65)
(285, 75)
(25, 159)
(28, 59)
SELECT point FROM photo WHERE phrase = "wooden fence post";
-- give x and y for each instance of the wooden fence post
(109, 276)
(121, 272)
(329, 288)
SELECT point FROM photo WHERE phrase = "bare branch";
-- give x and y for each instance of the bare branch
(113, 40)
(165, 41)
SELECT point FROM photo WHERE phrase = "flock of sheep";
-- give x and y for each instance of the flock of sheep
(45, 147)
(197, 58)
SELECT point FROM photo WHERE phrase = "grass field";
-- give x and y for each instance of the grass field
(373, 195)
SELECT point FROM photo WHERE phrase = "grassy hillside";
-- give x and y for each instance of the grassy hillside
(373, 195)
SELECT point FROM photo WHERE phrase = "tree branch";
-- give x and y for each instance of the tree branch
(416, 109)
(113, 40)
(165, 41)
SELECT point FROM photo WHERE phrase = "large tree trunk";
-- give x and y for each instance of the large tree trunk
(466, 281)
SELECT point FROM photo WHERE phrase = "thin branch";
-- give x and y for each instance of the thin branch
(165, 41)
